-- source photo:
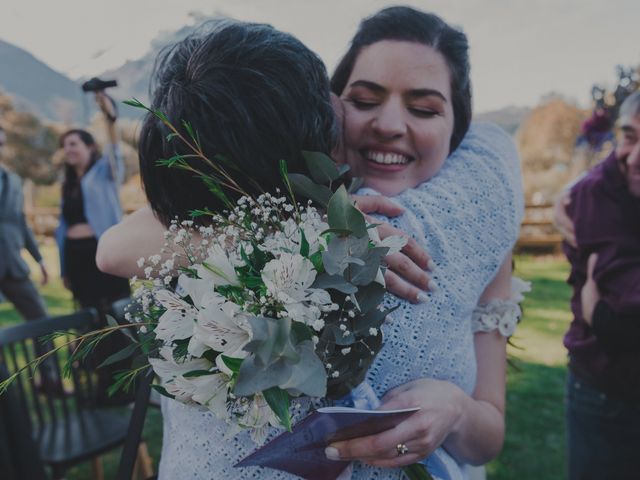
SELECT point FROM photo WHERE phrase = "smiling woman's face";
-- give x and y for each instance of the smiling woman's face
(398, 115)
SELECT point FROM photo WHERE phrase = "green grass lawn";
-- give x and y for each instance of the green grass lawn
(535, 441)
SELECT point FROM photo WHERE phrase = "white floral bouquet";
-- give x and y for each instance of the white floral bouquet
(275, 299)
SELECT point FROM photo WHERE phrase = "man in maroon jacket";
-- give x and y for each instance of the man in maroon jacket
(603, 409)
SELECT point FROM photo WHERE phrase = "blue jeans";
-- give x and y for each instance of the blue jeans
(603, 434)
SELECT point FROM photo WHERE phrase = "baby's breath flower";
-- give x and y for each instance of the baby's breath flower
(168, 264)
(373, 332)
(345, 351)
(335, 374)
(140, 262)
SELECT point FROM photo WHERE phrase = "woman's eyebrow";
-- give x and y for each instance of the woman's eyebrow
(413, 94)
(425, 92)
(374, 87)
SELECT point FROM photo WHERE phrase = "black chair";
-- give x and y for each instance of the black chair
(19, 458)
(119, 309)
(66, 425)
(135, 450)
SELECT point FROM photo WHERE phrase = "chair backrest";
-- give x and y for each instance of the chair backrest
(19, 455)
(47, 395)
(119, 309)
(136, 425)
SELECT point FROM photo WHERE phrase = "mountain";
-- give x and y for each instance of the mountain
(52, 95)
(510, 118)
(134, 75)
(38, 88)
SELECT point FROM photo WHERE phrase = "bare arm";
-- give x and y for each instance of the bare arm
(482, 422)
(105, 104)
(470, 427)
(140, 234)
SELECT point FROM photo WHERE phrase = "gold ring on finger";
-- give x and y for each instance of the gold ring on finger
(402, 449)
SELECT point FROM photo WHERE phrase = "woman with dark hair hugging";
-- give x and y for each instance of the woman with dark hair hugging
(256, 95)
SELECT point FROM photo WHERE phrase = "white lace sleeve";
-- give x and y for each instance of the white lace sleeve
(500, 314)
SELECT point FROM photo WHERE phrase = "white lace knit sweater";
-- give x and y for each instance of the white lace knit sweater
(467, 217)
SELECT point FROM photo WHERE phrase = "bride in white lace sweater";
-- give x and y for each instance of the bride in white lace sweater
(467, 216)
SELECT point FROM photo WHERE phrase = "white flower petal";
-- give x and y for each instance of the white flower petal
(196, 288)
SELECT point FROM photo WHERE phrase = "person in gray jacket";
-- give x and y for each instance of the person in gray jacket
(15, 234)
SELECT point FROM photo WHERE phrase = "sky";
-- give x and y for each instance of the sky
(521, 50)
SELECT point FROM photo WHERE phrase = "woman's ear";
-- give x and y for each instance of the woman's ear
(337, 153)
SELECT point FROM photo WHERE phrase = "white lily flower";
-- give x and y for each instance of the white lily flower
(211, 391)
(180, 388)
(258, 418)
(167, 368)
(178, 320)
(220, 326)
(288, 277)
(289, 237)
(218, 267)
(196, 288)
(223, 366)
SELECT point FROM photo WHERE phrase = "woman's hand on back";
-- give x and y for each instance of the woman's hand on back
(406, 276)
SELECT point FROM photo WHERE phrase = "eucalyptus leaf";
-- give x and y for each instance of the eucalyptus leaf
(279, 402)
(308, 376)
(255, 377)
(342, 215)
(353, 366)
(305, 187)
(271, 340)
(370, 296)
(322, 167)
(365, 273)
(341, 251)
(340, 337)
(372, 319)
(337, 282)
(301, 332)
